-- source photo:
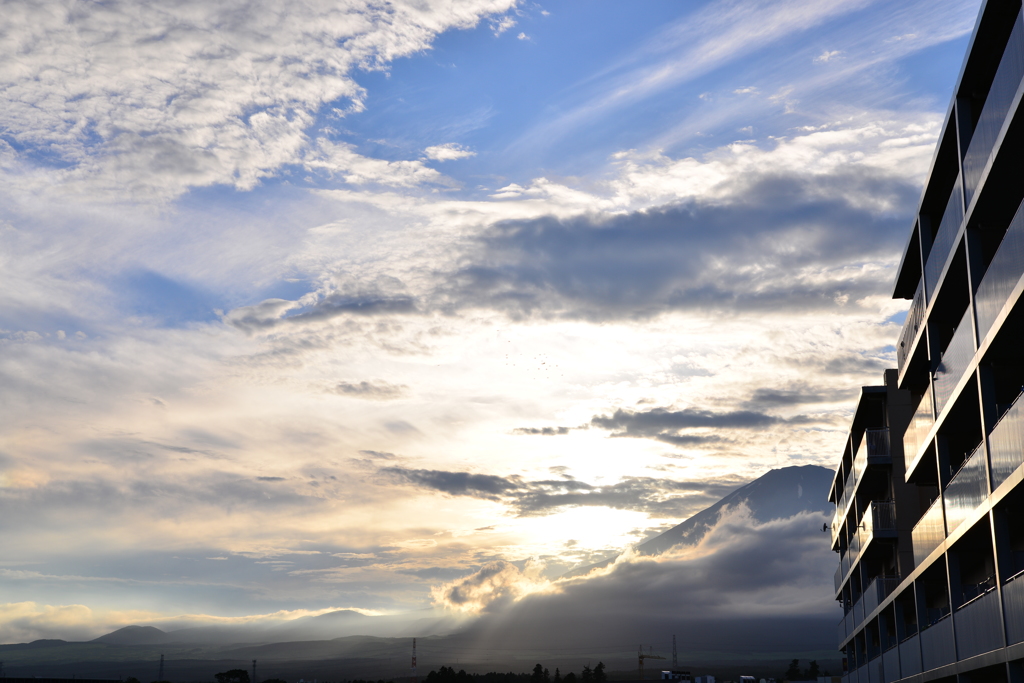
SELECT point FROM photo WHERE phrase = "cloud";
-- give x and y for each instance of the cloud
(495, 586)
(665, 425)
(502, 24)
(448, 152)
(748, 588)
(771, 241)
(663, 498)
(486, 486)
(341, 159)
(541, 431)
(374, 391)
(152, 99)
(827, 56)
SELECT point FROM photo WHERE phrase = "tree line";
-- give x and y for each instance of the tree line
(540, 674)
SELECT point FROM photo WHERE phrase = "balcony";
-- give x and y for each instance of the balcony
(878, 590)
(937, 646)
(929, 532)
(918, 429)
(997, 106)
(910, 656)
(1006, 443)
(954, 361)
(915, 318)
(979, 625)
(945, 238)
(891, 660)
(874, 449)
(1013, 608)
(879, 519)
(966, 490)
(1002, 275)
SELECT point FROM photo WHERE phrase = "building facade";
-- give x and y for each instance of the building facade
(929, 522)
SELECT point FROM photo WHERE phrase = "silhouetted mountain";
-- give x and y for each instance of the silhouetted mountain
(779, 494)
(134, 635)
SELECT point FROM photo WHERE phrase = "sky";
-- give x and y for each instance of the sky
(323, 305)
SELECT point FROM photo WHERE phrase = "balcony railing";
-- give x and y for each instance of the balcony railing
(917, 430)
(1013, 608)
(997, 105)
(944, 240)
(979, 626)
(910, 656)
(1006, 443)
(937, 647)
(929, 532)
(892, 664)
(966, 490)
(874, 444)
(1002, 275)
(878, 590)
(955, 359)
(915, 317)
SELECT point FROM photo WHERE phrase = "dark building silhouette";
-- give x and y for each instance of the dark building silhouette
(929, 498)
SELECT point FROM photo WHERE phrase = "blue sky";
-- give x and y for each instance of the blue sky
(338, 292)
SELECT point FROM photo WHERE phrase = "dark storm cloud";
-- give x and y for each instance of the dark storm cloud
(740, 255)
(375, 391)
(541, 431)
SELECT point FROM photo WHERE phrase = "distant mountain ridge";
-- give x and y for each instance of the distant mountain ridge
(777, 494)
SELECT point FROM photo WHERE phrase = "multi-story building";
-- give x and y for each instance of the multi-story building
(929, 498)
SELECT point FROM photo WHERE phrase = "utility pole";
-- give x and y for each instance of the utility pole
(412, 676)
(675, 655)
(254, 671)
(160, 676)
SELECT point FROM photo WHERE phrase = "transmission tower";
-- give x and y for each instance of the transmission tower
(160, 676)
(412, 675)
(675, 656)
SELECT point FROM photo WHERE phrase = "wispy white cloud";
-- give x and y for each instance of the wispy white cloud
(448, 152)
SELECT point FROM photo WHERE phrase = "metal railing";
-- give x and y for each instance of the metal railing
(917, 430)
(997, 106)
(972, 591)
(892, 664)
(954, 361)
(915, 317)
(910, 656)
(937, 645)
(1013, 608)
(929, 532)
(966, 490)
(878, 590)
(979, 626)
(1002, 275)
(945, 238)
(1006, 443)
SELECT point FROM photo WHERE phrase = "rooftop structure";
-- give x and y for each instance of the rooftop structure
(929, 521)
